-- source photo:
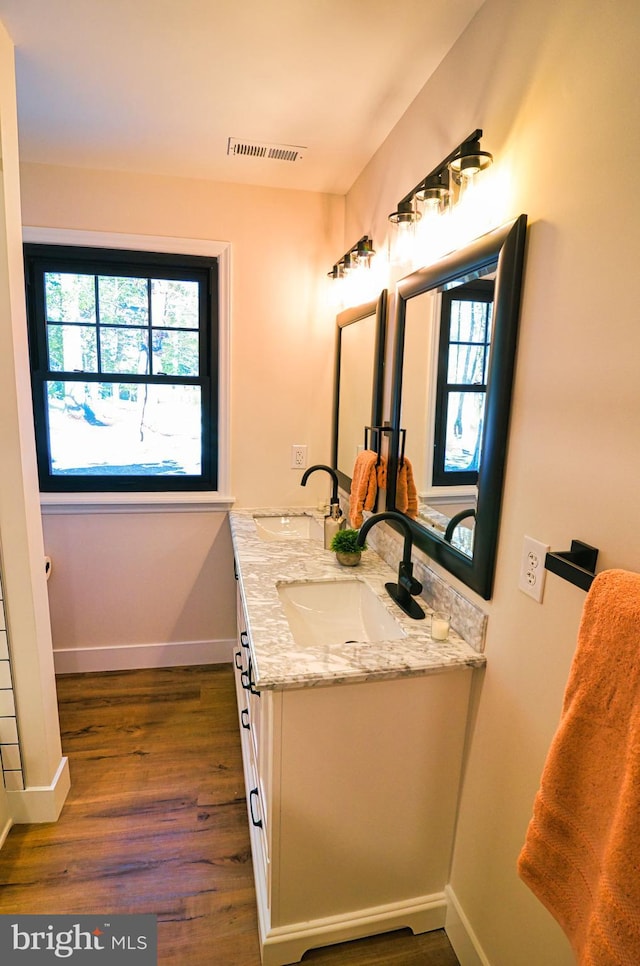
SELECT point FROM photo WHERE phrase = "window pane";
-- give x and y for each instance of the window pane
(176, 353)
(72, 348)
(123, 301)
(110, 429)
(466, 365)
(124, 350)
(174, 304)
(69, 298)
(465, 413)
(469, 321)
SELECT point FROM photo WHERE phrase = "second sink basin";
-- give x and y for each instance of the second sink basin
(336, 612)
(300, 526)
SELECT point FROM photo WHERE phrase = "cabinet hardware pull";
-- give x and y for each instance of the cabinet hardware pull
(245, 676)
(256, 822)
(238, 656)
(244, 638)
(245, 721)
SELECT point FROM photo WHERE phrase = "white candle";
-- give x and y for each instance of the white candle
(439, 628)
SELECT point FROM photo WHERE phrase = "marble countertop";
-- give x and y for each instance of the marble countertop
(279, 663)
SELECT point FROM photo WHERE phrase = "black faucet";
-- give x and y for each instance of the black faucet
(407, 587)
(332, 473)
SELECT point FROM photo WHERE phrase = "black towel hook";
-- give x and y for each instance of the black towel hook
(379, 430)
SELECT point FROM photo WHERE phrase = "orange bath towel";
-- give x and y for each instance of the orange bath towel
(406, 493)
(365, 481)
(581, 855)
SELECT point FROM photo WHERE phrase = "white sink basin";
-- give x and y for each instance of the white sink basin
(295, 527)
(336, 612)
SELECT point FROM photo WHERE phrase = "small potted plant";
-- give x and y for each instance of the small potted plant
(345, 546)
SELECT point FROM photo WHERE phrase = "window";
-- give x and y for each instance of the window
(124, 348)
(463, 359)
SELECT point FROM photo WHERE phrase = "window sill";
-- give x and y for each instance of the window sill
(198, 502)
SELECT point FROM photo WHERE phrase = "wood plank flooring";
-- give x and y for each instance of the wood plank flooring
(156, 822)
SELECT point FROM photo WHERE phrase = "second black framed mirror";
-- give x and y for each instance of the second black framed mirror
(358, 381)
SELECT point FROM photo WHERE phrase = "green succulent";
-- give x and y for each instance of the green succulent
(345, 541)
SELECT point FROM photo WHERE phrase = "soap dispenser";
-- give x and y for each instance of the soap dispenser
(334, 520)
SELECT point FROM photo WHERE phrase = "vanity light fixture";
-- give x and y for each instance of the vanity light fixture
(434, 190)
(359, 256)
(433, 196)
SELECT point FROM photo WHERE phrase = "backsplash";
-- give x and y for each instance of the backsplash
(12, 772)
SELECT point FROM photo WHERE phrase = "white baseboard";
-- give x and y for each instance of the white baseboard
(41, 803)
(127, 657)
(286, 944)
(461, 935)
(5, 831)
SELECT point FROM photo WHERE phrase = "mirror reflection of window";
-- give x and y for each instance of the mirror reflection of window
(447, 342)
(357, 361)
(463, 363)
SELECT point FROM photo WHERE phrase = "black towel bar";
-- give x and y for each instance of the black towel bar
(576, 565)
(378, 431)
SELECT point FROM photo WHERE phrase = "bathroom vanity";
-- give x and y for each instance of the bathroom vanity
(352, 748)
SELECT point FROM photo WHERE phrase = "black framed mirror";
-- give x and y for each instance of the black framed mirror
(358, 381)
(454, 357)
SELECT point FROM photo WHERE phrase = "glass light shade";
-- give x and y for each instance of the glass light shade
(405, 215)
(402, 234)
(401, 243)
(348, 264)
(363, 253)
(470, 162)
(435, 195)
(433, 201)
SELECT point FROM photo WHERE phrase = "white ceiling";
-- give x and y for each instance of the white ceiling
(160, 85)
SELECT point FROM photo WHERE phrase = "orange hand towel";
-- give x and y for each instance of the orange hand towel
(364, 486)
(581, 855)
(406, 493)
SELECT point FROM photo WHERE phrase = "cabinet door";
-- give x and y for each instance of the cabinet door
(367, 793)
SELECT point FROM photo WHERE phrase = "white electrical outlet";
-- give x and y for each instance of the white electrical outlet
(299, 456)
(532, 572)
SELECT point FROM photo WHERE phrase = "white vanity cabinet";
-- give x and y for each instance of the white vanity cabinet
(352, 793)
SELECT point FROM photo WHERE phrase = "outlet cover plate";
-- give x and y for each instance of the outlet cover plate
(532, 572)
(298, 456)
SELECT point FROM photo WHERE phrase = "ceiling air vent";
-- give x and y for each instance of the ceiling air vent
(263, 149)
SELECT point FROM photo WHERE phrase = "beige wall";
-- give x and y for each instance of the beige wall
(156, 578)
(121, 579)
(552, 85)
